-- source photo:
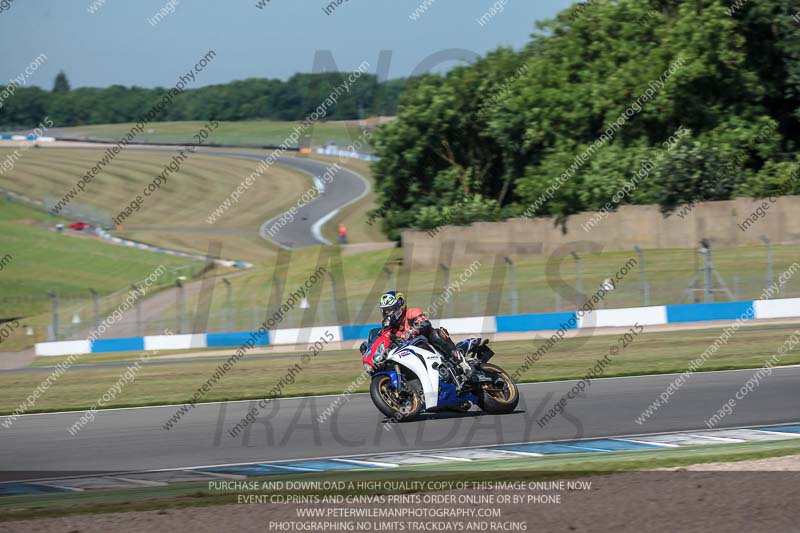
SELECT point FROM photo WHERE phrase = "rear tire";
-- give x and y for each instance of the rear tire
(403, 407)
(495, 400)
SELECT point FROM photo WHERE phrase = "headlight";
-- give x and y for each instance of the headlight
(380, 354)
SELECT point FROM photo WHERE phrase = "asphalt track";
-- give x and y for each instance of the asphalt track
(37, 446)
(345, 188)
(304, 229)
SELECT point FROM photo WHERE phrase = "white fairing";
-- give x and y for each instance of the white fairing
(411, 357)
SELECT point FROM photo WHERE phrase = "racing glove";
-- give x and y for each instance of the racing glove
(410, 334)
(458, 355)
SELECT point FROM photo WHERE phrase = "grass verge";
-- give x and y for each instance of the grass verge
(175, 381)
(245, 132)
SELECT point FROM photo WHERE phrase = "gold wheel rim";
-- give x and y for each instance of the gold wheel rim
(390, 397)
(500, 395)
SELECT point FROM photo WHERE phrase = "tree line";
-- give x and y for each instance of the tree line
(255, 98)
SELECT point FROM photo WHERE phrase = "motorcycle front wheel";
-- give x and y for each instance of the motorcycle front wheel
(401, 406)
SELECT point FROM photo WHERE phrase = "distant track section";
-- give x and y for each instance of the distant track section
(302, 226)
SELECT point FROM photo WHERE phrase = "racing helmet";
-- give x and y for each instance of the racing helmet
(393, 307)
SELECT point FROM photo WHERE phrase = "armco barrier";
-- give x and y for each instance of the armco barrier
(103, 234)
(661, 314)
(346, 153)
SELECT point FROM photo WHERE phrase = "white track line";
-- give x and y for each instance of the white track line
(721, 439)
(664, 444)
(354, 457)
(521, 454)
(316, 229)
(784, 433)
(367, 463)
(442, 456)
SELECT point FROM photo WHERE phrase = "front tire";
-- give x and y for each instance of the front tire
(496, 399)
(400, 406)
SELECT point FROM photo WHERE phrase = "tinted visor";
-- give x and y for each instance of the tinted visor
(390, 310)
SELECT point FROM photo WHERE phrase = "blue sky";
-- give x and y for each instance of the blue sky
(116, 44)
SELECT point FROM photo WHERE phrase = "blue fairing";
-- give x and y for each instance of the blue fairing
(448, 395)
(466, 344)
(392, 375)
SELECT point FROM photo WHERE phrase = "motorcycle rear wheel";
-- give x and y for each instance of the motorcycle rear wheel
(401, 407)
(495, 400)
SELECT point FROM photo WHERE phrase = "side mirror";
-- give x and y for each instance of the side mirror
(363, 347)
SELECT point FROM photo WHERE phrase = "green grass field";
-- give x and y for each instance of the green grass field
(44, 260)
(249, 132)
(331, 373)
(174, 216)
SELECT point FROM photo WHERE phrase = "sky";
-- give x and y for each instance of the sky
(117, 45)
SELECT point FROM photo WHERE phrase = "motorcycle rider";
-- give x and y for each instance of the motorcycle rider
(408, 323)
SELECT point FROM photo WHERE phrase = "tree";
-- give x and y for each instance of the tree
(732, 81)
(61, 85)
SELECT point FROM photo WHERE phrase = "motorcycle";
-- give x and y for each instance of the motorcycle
(413, 377)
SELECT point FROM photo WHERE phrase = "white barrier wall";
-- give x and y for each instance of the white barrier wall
(784, 308)
(473, 324)
(63, 348)
(689, 313)
(175, 342)
(305, 335)
(605, 318)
